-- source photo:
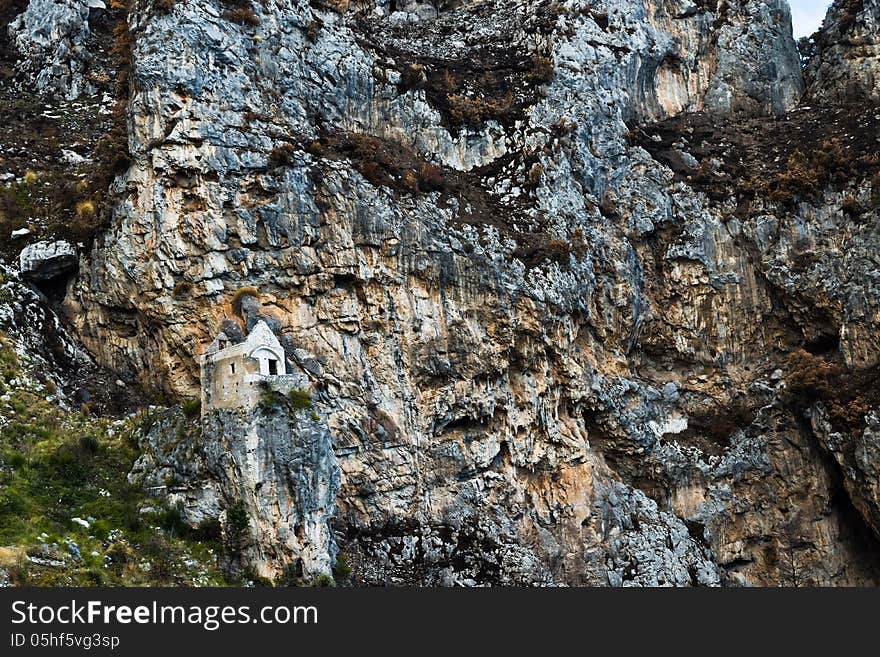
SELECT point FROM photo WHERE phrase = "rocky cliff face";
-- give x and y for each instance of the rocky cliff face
(271, 478)
(559, 329)
(847, 65)
(52, 38)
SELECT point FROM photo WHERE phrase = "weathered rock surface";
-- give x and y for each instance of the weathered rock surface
(279, 467)
(859, 460)
(51, 38)
(548, 341)
(759, 71)
(38, 335)
(43, 261)
(846, 67)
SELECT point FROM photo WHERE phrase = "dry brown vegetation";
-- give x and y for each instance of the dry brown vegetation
(339, 6)
(493, 84)
(412, 76)
(541, 71)
(535, 248)
(239, 297)
(851, 206)
(710, 428)
(847, 394)
(473, 110)
(182, 289)
(784, 160)
(849, 14)
(499, 91)
(281, 155)
(430, 177)
(382, 162)
(241, 12)
(806, 174)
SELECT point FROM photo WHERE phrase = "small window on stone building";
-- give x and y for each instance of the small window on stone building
(232, 368)
(273, 366)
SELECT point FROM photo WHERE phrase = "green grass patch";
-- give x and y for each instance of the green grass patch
(295, 400)
(299, 398)
(57, 465)
(192, 408)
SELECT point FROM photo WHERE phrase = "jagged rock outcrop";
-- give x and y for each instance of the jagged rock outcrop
(270, 477)
(43, 261)
(846, 64)
(51, 37)
(758, 71)
(548, 341)
(858, 457)
(39, 338)
(728, 58)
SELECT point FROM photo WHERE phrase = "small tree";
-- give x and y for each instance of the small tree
(793, 571)
(237, 528)
(341, 569)
(806, 48)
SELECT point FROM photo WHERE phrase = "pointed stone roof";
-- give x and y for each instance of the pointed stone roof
(214, 347)
(262, 336)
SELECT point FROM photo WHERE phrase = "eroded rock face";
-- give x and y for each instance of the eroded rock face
(43, 261)
(275, 470)
(758, 69)
(51, 38)
(846, 67)
(728, 58)
(858, 456)
(539, 354)
(40, 339)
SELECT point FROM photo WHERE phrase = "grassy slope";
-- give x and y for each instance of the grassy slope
(56, 465)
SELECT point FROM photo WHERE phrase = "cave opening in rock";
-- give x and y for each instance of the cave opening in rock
(824, 343)
(54, 289)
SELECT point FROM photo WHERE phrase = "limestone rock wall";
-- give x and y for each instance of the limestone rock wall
(846, 67)
(38, 336)
(270, 477)
(725, 57)
(51, 38)
(538, 354)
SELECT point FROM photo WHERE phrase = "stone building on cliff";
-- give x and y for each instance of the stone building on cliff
(235, 374)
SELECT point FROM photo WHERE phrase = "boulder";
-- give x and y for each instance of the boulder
(45, 260)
